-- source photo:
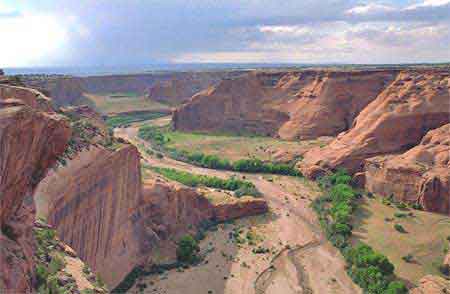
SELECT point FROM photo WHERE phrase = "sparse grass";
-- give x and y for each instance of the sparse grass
(122, 102)
(425, 240)
(132, 117)
(232, 147)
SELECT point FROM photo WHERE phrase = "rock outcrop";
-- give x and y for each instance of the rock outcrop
(170, 210)
(420, 175)
(32, 137)
(416, 102)
(169, 87)
(97, 206)
(432, 285)
(291, 105)
(180, 88)
(232, 106)
(175, 209)
(91, 202)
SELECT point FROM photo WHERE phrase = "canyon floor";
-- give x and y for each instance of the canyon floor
(299, 258)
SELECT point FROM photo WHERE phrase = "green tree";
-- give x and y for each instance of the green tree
(187, 249)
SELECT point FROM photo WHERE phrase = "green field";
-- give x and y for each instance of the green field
(110, 103)
(234, 147)
(123, 119)
(425, 238)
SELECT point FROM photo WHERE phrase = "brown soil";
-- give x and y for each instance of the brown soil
(300, 259)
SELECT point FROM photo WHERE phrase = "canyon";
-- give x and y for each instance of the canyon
(371, 113)
(59, 162)
(168, 87)
(87, 185)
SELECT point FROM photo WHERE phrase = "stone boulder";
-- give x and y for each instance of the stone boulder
(416, 102)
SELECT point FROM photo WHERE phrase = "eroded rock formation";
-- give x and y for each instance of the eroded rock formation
(91, 202)
(420, 175)
(432, 285)
(169, 87)
(32, 137)
(292, 105)
(180, 88)
(416, 102)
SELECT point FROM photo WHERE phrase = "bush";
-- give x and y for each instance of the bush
(187, 249)
(247, 191)
(371, 270)
(417, 206)
(408, 258)
(399, 228)
(444, 269)
(400, 214)
(396, 287)
(56, 264)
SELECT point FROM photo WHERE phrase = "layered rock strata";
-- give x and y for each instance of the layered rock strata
(420, 175)
(32, 137)
(416, 102)
(291, 105)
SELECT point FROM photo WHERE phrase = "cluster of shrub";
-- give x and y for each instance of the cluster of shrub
(240, 187)
(252, 165)
(371, 270)
(50, 263)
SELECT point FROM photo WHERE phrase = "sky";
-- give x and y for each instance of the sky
(136, 32)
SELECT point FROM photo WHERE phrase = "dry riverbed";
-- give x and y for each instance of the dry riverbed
(293, 255)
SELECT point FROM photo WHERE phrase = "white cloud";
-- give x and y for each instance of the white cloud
(291, 30)
(29, 38)
(370, 8)
(429, 3)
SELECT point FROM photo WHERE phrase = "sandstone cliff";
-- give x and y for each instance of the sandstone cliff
(181, 87)
(32, 136)
(420, 175)
(169, 87)
(292, 105)
(232, 106)
(416, 102)
(96, 204)
(91, 202)
(432, 285)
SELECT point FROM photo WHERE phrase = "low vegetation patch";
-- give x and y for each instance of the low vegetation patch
(187, 249)
(372, 271)
(156, 136)
(124, 119)
(240, 187)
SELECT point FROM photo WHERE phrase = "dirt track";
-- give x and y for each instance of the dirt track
(301, 260)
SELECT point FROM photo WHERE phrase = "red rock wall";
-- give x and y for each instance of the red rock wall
(30, 142)
(395, 121)
(420, 175)
(232, 106)
(91, 202)
(291, 105)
